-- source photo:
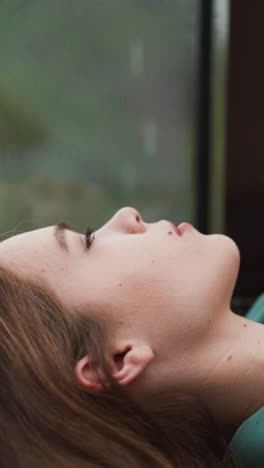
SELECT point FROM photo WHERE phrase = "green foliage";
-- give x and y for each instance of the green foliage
(20, 128)
(40, 202)
(99, 76)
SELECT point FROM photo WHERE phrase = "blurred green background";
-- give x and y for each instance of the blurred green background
(98, 110)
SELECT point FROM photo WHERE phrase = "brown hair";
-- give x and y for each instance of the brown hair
(48, 420)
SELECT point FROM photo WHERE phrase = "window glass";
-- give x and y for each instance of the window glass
(97, 110)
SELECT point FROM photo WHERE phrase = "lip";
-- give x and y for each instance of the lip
(175, 228)
(183, 227)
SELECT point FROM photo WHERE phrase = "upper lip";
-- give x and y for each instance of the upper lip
(174, 227)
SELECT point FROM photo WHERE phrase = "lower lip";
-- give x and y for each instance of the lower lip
(183, 227)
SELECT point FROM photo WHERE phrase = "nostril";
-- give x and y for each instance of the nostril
(130, 220)
(140, 224)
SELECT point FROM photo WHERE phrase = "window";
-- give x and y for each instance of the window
(98, 110)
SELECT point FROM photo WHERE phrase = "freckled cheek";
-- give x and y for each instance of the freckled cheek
(57, 276)
(56, 271)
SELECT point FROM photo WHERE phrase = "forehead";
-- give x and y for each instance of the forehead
(27, 239)
(22, 248)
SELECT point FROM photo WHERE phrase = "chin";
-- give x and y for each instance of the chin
(225, 257)
(231, 255)
(224, 242)
(227, 252)
(234, 250)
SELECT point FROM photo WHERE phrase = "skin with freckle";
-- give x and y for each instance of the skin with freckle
(172, 287)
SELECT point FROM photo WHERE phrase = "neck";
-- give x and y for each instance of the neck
(226, 370)
(232, 363)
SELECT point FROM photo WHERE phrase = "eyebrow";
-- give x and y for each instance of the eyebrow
(59, 233)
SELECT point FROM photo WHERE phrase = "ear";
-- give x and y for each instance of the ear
(127, 363)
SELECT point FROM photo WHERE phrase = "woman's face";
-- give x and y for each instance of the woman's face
(154, 283)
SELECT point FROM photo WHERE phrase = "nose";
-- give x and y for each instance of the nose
(128, 220)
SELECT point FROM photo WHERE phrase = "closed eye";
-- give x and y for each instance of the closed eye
(89, 237)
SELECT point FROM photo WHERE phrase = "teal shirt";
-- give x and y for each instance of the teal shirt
(247, 443)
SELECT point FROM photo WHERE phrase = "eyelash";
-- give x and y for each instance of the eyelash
(88, 237)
